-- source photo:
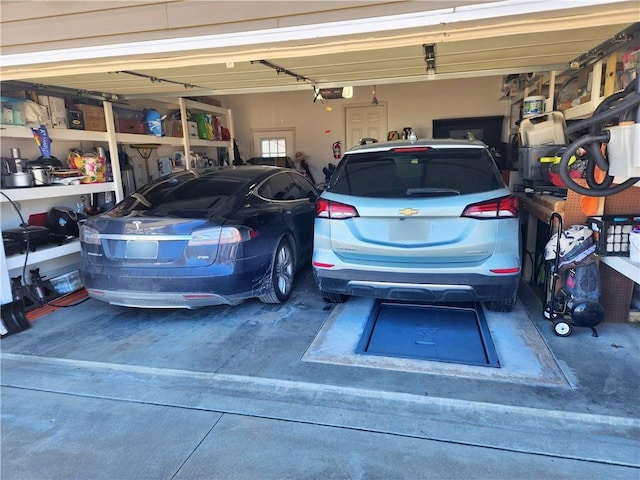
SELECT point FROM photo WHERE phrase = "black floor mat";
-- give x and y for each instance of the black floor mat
(443, 333)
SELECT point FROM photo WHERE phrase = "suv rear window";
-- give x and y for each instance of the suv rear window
(431, 172)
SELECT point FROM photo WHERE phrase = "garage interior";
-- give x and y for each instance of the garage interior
(297, 72)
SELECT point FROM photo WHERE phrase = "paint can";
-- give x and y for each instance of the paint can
(533, 106)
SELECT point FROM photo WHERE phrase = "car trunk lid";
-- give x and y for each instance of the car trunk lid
(416, 231)
(156, 242)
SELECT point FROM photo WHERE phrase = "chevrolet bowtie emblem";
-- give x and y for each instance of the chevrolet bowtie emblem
(408, 212)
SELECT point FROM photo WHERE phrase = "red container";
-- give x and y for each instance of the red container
(39, 219)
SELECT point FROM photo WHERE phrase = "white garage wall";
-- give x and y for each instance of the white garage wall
(409, 104)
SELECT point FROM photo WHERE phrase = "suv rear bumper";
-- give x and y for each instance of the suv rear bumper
(418, 287)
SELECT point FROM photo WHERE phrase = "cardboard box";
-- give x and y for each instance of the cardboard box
(172, 128)
(93, 117)
(37, 114)
(193, 129)
(176, 128)
(130, 125)
(57, 110)
(22, 94)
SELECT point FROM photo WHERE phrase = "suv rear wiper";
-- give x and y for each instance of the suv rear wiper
(431, 192)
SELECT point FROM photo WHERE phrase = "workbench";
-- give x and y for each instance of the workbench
(539, 207)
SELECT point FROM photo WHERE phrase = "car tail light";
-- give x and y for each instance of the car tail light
(89, 235)
(221, 235)
(323, 265)
(505, 271)
(410, 149)
(503, 207)
(336, 210)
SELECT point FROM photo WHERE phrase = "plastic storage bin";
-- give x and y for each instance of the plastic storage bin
(13, 111)
(67, 283)
(529, 163)
(611, 233)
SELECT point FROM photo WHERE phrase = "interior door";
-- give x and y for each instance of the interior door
(365, 122)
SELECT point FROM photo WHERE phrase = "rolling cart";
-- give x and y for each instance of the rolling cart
(570, 259)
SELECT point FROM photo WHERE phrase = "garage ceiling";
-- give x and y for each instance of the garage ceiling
(379, 44)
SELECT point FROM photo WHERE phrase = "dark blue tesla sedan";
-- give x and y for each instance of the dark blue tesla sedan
(202, 237)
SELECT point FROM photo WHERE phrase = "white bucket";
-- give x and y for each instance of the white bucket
(533, 106)
(634, 246)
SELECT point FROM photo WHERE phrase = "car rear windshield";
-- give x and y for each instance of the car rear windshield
(185, 196)
(429, 172)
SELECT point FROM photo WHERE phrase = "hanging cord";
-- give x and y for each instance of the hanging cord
(24, 226)
(622, 106)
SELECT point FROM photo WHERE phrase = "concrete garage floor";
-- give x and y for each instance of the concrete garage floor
(275, 391)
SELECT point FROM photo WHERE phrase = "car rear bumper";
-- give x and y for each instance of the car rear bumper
(176, 288)
(433, 287)
(163, 299)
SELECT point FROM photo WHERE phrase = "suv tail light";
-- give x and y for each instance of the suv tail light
(336, 210)
(503, 207)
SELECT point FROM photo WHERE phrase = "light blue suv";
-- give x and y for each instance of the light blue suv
(428, 221)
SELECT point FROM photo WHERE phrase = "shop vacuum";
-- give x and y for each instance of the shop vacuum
(570, 256)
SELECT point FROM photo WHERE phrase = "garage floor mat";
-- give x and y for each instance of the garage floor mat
(445, 333)
(524, 355)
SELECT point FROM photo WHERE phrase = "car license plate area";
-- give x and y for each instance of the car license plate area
(414, 231)
(141, 250)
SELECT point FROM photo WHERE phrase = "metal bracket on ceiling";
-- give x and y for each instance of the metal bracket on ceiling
(280, 70)
(629, 34)
(430, 58)
(41, 87)
(154, 79)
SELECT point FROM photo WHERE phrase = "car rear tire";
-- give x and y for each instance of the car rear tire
(330, 297)
(502, 305)
(281, 276)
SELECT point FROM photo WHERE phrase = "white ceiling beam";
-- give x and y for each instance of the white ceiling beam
(316, 32)
(439, 34)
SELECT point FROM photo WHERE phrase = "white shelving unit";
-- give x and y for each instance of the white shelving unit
(41, 198)
(50, 191)
(34, 198)
(42, 254)
(186, 107)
